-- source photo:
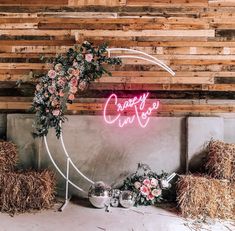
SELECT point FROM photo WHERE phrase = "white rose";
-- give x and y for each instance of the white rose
(156, 192)
(137, 185)
(154, 182)
(165, 184)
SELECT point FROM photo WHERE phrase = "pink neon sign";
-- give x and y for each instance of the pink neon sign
(141, 113)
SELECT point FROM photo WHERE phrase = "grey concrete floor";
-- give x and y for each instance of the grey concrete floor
(79, 216)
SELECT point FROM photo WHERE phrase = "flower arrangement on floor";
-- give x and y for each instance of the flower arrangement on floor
(144, 187)
(71, 72)
(147, 185)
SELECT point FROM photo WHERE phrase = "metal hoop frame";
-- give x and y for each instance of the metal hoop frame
(139, 55)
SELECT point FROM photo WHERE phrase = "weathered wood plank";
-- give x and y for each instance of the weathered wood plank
(35, 32)
(96, 2)
(33, 3)
(164, 43)
(144, 33)
(168, 3)
(133, 76)
(154, 80)
(173, 107)
(221, 3)
(169, 87)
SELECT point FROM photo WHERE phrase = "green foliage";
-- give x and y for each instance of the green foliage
(74, 70)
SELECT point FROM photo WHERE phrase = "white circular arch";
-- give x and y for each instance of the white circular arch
(138, 55)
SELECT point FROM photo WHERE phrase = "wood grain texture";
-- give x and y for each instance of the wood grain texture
(196, 38)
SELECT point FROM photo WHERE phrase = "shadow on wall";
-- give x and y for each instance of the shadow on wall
(197, 162)
(3, 126)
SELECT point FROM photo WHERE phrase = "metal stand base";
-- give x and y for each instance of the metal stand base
(64, 204)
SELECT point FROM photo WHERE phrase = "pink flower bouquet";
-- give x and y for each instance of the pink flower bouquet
(146, 185)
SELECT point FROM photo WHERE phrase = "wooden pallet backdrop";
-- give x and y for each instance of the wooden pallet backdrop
(196, 38)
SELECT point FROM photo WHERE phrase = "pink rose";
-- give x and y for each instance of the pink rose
(61, 82)
(71, 97)
(61, 93)
(51, 74)
(38, 87)
(75, 64)
(56, 112)
(147, 182)
(154, 182)
(156, 192)
(150, 197)
(76, 72)
(137, 185)
(82, 85)
(51, 89)
(73, 90)
(74, 81)
(144, 190)
(88, 57)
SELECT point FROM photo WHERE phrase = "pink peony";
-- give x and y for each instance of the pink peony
(76, 72)
(51, 74)
(147, 182)
(154, 182)
(156, 192)
(150, 196)
(56, 112)
(71, 97)
(51, 89)
(74, 81)
(137, 185)
(88, 57)
(144, 190)
(73, 90)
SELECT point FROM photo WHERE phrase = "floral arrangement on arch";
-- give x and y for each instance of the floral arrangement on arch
(70, 73)
(146, 184)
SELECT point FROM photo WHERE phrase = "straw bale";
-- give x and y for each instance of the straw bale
(201, 197)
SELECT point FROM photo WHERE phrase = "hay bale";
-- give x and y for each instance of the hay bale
(220, 162)
(8, 156)
(201, 197)
(23, 192)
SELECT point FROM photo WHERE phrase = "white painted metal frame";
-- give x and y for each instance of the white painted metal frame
(139, 55)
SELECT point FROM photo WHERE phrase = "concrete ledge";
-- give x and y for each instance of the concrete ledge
(200, 130)
(101, 151)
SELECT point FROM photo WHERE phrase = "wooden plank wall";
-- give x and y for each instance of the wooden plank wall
(196, 38)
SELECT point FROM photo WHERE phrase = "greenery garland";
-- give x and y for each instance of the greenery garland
(71, 72)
